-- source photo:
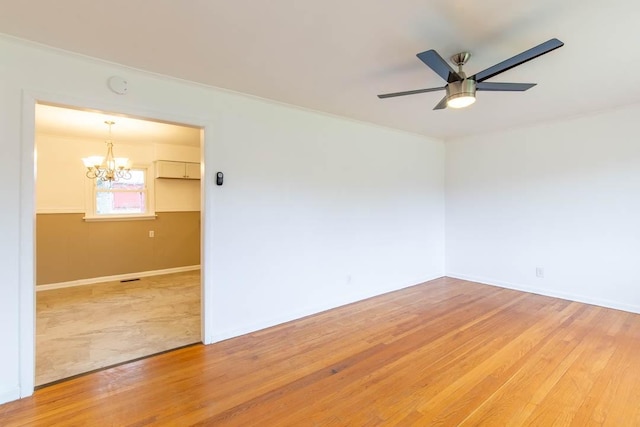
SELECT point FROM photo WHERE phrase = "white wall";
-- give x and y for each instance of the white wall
(323, 213)
(564, 196)
(61, 183)
(316, 211)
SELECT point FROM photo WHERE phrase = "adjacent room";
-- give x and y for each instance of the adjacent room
(400, 213)
(117, 257)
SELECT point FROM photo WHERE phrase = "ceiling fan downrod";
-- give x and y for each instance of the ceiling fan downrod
(460, 59)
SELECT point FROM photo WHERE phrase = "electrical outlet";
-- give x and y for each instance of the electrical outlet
(152, 233)
(539, 272)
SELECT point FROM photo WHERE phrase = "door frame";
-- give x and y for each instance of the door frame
(27, 255)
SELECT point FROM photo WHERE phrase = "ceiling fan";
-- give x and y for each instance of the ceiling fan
(460, 89)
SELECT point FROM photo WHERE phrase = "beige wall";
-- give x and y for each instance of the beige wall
(69, 248)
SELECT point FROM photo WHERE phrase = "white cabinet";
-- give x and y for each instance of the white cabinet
(192, 170)
(177, 170)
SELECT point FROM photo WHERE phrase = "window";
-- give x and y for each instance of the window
(122, 199)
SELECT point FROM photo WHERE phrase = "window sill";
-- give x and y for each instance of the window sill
(119, 218)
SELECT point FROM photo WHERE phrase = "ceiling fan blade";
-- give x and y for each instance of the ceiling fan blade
(434, 61)
(410, 92)
(504, 87)
(442, 104)
(519, 59)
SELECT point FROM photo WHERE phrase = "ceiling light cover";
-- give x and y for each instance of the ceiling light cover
(460, 101)
(461, 94)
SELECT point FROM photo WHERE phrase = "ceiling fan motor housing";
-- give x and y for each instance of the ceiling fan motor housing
(463, 89)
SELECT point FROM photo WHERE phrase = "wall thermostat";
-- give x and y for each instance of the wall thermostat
(219, 178)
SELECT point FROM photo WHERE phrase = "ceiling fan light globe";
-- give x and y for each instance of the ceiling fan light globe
(460, 101)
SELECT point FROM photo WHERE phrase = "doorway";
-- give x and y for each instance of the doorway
(117, 269)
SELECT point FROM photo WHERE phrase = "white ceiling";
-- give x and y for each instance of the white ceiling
(336, 55)
(55, 120)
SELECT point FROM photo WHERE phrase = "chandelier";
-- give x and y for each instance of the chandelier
(107, 168)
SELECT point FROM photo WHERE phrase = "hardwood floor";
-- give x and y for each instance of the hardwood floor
(447, 352)
(83, 328)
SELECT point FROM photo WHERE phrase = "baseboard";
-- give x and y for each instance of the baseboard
(115, 278)
(300, 313)
(539, 291)
(9, 395)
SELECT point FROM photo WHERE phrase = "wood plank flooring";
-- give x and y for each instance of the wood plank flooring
(447, 352)
(83, 328)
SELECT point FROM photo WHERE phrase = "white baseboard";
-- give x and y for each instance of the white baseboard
(617, 305)
(115, 278)
(299, 313)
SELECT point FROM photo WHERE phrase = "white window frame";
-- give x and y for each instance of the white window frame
(91, 193)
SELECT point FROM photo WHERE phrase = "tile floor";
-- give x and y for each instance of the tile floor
(84, 328)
